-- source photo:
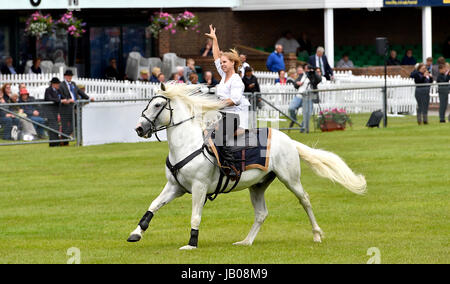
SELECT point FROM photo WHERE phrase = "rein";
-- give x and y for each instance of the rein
(171, 124)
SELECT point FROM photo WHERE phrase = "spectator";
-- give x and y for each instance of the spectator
(292, 76)
(51, 111)
(193, 79)
(6, 90)
(36, 67)
(155, 72)
(422, 94)
(443, 77)
(26, 127)
(409, 59)
(345, 62)
(32, 111)
(244, 64)
(9, 121)
(2, 98)
(176, 77)
(111, 71)
(320, 60)
(71, 93)
(161, 78)
(144, 77)
(275, 61)
(308, 97)
(305, 44)
(446, 48)
(70, 90)
(392, 60)
(252, 86)
(180, 73)
(207, 50)
(289, 43)
(300, 84)
(429, 64)
(189, 68)
(435, 70)
(281, 78)
(209, 80)
(319, 73)
(8, 67)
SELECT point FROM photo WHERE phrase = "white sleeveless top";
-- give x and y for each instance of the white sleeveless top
(232, 89)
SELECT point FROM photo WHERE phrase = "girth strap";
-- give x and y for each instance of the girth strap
(175, 168)
(219, 189)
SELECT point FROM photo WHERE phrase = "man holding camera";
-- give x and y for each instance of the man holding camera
(313, 79)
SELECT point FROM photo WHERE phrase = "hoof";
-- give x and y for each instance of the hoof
(243, 243)
(188, 247)
(134, 238)
(318, 235)
(317, 238)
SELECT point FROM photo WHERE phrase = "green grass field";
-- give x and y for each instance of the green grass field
(93, 197)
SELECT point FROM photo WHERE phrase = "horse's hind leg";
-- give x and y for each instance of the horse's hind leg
(292, 182)
(259, 204)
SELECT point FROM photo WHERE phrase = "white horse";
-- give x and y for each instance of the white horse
(177, 109)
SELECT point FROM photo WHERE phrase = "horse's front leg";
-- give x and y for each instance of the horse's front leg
(198, 201)
(169, 193)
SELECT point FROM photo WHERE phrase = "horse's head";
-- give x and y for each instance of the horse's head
(156, 116)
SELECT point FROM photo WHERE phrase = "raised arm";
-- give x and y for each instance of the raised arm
(212, 35)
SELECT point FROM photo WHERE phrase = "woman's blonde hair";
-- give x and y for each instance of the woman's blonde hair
(233, 56)
(291, 72)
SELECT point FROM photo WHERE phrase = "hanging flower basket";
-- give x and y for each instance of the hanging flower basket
(187, 20)
(39, 25)
(162, 21)
(73, 26)
(334, 119)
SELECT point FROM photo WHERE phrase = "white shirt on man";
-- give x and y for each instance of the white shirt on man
(289, 45)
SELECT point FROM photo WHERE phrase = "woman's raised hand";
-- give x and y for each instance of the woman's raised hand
(212, 32)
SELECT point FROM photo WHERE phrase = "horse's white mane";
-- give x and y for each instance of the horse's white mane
(203, 106)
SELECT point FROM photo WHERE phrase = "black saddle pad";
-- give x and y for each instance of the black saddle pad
(252, 149)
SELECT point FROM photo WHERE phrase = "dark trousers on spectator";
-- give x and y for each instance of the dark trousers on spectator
(7, 124)
(443, 103)
(51, 112)
(423, 102)
(66, 113)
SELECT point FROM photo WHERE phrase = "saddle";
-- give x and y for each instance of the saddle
(247, 151)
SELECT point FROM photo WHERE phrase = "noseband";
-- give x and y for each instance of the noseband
(166, 106)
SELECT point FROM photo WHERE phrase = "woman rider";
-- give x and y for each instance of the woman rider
(230, 90)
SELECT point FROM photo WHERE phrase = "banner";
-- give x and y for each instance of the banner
(416, 3)
(104, 123)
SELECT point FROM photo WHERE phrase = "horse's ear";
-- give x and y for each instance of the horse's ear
(163, 87)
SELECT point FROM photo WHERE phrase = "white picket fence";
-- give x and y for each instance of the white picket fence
(95, 88)
(362, 100)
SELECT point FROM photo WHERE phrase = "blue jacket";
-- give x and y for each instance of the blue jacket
(275, 62)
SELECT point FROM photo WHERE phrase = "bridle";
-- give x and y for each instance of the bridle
(166, 106)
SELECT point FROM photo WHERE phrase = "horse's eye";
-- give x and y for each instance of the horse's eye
(157, 105)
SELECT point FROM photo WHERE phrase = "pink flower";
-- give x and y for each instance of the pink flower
(173, 31)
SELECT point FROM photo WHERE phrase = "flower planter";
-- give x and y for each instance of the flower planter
(330, 125)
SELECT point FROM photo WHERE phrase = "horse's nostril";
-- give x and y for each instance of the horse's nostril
(140, 131)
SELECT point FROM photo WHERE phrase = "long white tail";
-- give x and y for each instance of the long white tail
(331, 166)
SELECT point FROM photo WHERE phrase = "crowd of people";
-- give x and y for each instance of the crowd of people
(21, 120)
(427, 73)
(58, 116)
